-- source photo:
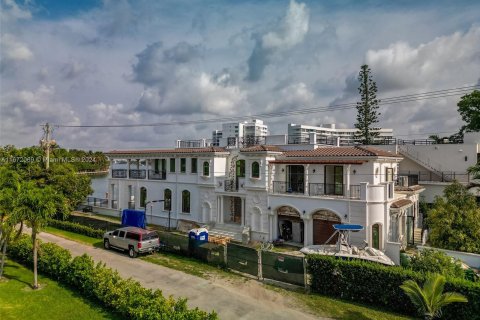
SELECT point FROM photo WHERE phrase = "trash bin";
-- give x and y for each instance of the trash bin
(196, 237)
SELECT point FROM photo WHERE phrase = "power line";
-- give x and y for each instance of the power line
(332, 108)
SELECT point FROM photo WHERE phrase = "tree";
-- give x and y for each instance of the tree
(36, 205)
(9, 186)
(469, 109)
(367, 108)
(430, 299)
(62, 176)
(454, 220)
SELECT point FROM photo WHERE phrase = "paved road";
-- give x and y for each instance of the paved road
(247, 301)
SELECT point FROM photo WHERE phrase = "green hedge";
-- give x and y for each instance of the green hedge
(77, 228)
(379, 285)
(124, 296)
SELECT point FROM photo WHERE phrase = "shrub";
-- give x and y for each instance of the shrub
(77, 228)
(434, 261)
(54, 260)
(379, 285)
(124, 296)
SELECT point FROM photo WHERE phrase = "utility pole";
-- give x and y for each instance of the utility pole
(46, 143)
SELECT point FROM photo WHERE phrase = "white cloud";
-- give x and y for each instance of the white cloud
(289, 32)
(446, 59)
(13, 50)
(292, 29)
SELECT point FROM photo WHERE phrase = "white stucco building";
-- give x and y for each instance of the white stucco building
(266, 192)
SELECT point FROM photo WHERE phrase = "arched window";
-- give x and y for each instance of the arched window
(240, 168)
(186, 201)
(206, 168)
(255, 170)
(167, 196)
(143, 196)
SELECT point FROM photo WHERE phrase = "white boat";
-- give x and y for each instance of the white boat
(342, 249)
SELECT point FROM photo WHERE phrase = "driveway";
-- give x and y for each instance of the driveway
(246, 300)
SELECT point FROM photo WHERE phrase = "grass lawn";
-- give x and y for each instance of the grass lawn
(185, 264)
(74, 236)
(338, 309)
(319, 305)
(52, 301)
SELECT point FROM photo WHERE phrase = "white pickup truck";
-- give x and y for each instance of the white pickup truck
(135, 240)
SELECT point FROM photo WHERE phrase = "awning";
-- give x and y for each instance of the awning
(401, 203)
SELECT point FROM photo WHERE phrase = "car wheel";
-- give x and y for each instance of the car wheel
(132, 253)
(106, 244)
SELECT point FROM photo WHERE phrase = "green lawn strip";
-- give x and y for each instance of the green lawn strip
(185, 264)
(74, 236)
(319, 305)
(336, 308)
(53, 301)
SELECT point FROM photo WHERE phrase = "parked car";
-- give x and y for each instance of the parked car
(135, 240)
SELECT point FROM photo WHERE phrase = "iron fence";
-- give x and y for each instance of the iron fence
(119, 173)
(137, 174)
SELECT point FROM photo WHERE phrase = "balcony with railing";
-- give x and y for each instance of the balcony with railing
(317, 189)
(157, 175)
(288, 187)
(137, 173)
(119, 173)
(337, 190)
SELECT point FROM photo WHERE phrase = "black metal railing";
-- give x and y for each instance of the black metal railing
(334, 189)
(230, 185)
(137, 174)
(288, 187)
(119, 173)
(114, 204)
(97, 202)
(443, 176)
(157, 175)
(250, 141)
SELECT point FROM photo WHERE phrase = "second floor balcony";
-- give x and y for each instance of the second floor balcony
(137, 173)
(317, 189)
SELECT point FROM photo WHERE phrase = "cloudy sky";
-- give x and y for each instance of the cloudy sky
(95, 62)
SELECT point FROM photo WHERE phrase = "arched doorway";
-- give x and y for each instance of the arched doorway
(376, 230)
(143, 197)
(323, 221)
(290, 225)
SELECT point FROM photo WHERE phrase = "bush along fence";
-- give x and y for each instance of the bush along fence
(124, 296)
(76, 227)
(379, 285)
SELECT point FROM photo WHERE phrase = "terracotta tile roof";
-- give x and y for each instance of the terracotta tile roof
(357, 151)
(318, 161)
(176, 150)
(261, 148)
(401, 203)
(410, 188)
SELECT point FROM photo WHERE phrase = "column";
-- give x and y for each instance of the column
(347, 182)
(307, 173)
(307, 231)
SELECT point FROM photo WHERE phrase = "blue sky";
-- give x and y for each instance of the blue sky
(119, 62)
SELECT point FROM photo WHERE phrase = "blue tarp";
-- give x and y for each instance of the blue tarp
(133, 218)
(348, 227)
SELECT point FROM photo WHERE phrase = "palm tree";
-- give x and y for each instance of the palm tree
(35, 205)
(430, 300)
(9, 186)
